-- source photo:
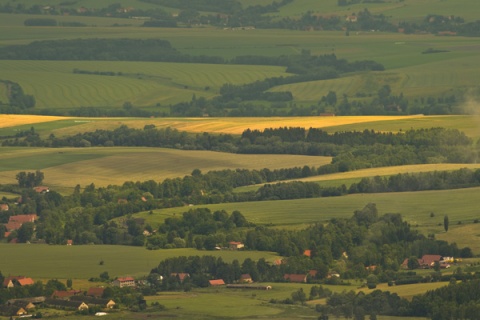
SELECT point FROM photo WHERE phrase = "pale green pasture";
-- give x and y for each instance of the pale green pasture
(82, 262)
(54, 84)
(415, 207)
(66, 167)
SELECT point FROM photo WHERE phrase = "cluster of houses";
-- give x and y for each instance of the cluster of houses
(428, 261)
(15, 222)
(74, 300)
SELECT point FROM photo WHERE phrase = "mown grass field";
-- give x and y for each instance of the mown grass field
(347, 178)
(141, 83)
(415, 207)
(82, 262)
(67, 167)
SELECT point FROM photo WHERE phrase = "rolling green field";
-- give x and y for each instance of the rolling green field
(146, 84)
(82, 262)
(347, 178)
(415, 207)
(142, 83)
(104, 166)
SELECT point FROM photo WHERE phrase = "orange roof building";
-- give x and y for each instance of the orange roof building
(217, 282)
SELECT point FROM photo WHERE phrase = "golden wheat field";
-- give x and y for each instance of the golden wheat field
(223, 125)
(13, 120)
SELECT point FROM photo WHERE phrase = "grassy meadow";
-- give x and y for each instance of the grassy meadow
(104, 166)
(82, 262)
(415, 207)
(141, 83)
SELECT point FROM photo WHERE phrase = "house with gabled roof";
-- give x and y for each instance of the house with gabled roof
(59, 303)
(4, 207)
(92, 301)
(245, 278)
(124, 282)
(235, 245)
(12, 281)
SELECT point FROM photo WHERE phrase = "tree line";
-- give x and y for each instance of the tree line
(350, 150)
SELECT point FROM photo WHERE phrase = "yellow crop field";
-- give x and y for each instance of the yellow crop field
(226, 125)
(12, 120)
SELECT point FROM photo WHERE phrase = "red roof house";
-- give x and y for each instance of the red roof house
(218, 282)
(22, 218)
(234, 245)
(124, 282)
(41, 189)
(4, 207)
(58, 294)
(11, 281)
(307, 253)
(95, 292)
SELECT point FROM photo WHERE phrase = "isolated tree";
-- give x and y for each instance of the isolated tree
(445, 223)
(69, 283)
(372, 281)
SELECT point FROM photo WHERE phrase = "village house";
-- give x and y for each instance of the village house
(15, 222)
(428, 261)
(12, 311)
(58, 294)
(95, 292)
(27, 305)
(12, 281)
(216, 283)
(41, 189)
(234, 245)
(245, 278)
(4, 207)
(298, 278)
(91, 301)
(312, 273)
(66, 304)
(124, 282)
